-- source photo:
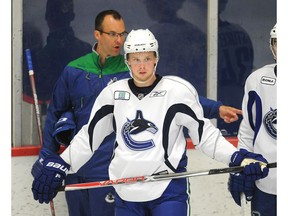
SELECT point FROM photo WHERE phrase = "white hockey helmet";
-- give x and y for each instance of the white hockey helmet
(140, 40)
(273, 36)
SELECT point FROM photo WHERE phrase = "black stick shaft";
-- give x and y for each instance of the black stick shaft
(235, 169)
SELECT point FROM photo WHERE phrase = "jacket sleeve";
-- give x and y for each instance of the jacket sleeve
(210, 107)
(60, 103)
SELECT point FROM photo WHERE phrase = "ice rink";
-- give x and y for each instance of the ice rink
(209, 194)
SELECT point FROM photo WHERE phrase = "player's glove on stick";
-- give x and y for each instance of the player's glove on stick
(254, 164)
(49, 178)
(244, 182)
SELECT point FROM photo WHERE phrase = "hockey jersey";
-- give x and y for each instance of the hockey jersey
(76, 90)
(149, 133)
(258, 129)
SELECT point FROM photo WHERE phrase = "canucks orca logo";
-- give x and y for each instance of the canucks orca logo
(270, 123)
(136, 126)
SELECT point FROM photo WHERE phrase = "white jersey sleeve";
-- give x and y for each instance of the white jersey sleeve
(207, 138)
(91, 135)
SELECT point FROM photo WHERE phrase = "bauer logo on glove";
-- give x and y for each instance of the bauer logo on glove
(65, 129)
(58, 166)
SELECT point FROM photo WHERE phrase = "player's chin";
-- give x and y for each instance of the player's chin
(115, 54)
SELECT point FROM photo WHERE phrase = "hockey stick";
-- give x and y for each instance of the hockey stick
(243, 205)
(153, 178)
(33, 87)
(36, 108)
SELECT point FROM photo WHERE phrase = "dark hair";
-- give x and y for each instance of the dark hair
(100, 17)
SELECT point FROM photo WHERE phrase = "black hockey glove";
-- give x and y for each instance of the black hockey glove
(49, 178)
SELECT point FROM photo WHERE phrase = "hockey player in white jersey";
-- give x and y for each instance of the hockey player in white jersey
(258, 134)
(148, 113)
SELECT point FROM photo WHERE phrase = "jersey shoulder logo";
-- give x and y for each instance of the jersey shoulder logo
(133, 128)
(268, 80)
(121, 95)
(270, 123)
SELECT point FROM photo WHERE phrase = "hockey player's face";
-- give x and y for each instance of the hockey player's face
(143, 68)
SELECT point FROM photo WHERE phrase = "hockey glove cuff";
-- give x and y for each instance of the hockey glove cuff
(37, 166)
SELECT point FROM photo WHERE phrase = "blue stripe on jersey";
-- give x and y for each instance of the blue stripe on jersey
(171, 112)
(104, 111)
(254, 99)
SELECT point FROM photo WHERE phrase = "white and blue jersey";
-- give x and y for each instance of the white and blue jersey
(76, 90)
(258, 129)
(149, 133)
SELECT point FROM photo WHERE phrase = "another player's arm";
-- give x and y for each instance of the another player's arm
(215, 109)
